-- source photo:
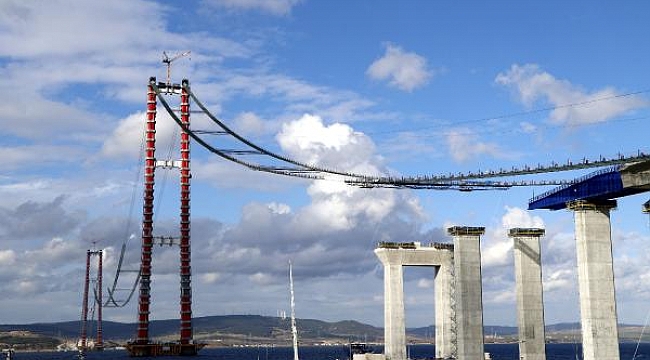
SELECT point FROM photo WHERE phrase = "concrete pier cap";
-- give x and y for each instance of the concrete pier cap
(597, 205)
(465, 230)
(528, 232)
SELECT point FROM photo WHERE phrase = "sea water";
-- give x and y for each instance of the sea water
(497, 352)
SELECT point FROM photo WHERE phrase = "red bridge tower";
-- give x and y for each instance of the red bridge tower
(143, 345)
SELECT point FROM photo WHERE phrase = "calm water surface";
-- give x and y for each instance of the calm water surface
(498, 352)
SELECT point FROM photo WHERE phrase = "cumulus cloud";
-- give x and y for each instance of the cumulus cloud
(497, 256)
(33, 219)
(127, 137)
(497, 250)
(531, 83)
(404, 70)
(339, 221)
(337, 145)
(274, 7)
(519, 218)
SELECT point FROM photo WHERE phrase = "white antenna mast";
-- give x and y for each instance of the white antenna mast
(168, 60)
(294, 329)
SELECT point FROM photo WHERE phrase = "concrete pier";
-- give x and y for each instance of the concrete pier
(445, 315)
(394, 320)
(596, 279)
(530, 304)
(394, 256)
(469, 302)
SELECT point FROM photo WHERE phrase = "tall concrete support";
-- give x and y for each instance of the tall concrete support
(445, 315)
(530, 304)
(394, 319)
(469, 302)
(596, 279)
(394, 256)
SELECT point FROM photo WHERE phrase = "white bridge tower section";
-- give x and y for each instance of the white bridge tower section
(394, 256)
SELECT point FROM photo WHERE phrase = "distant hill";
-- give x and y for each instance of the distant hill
(244, 326)
(253, 329)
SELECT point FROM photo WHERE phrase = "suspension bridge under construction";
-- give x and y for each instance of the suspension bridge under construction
(458, 300)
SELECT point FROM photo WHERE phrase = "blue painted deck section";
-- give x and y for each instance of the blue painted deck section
(604, 184)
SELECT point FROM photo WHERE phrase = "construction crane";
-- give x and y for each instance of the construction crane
(168, 61)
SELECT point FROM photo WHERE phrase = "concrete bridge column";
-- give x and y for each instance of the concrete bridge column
(530, 304)
(596, 279)
(394, 326)
(443, 310)
(469, 302)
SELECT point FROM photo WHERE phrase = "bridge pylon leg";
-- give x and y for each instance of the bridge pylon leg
(596, 279)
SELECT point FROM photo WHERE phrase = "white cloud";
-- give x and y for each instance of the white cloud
(87, 31)
(250, 123)
(425, 283)
(531, 83)
(497, 248)
(44, 68)
(497, 253)
(261, 278)
(7, 257)
(274, 7)
(127, 138)
(334, 204)
(278, 208)
(30, 156)
(336, 145)
(405, 70)
(299, 96)
(129, 132)
(561, 279)
(55, 250)
(527, 127)
(464, 145)
(519, 218)
(210, 277)
(506, 296)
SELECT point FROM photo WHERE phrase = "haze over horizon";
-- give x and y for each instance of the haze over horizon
(373, 87)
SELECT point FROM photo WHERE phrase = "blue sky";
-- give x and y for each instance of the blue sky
(377, 87)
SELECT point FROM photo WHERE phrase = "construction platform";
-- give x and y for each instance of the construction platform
(163, 349)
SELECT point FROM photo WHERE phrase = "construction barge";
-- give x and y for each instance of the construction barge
(163, 349)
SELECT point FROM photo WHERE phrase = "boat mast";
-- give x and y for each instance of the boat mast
(294, 329)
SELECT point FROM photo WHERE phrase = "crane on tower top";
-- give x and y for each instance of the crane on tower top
(168, 61)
